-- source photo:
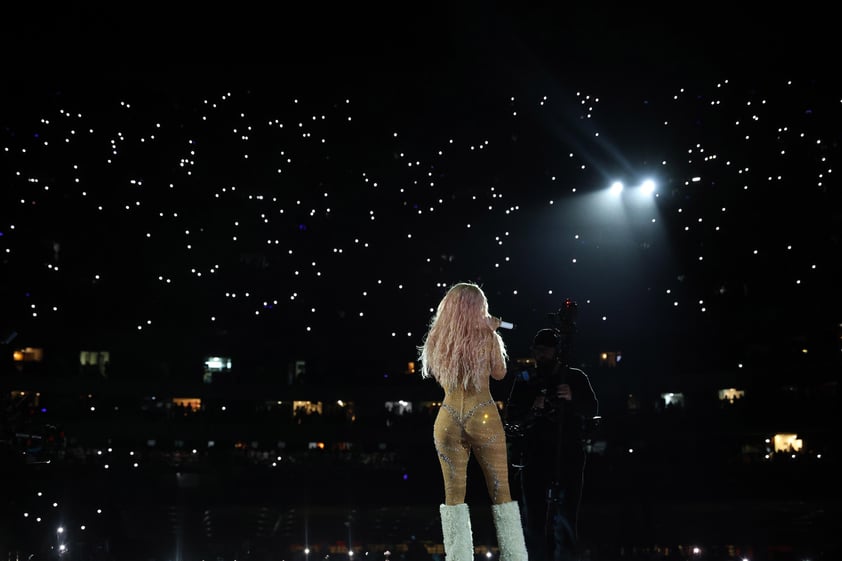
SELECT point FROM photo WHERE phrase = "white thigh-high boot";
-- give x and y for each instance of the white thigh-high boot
(456, 529)
(510, 538)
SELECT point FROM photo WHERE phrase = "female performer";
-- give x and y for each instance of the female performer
(462, 351)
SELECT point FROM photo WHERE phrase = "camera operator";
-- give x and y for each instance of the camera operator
(548, 415)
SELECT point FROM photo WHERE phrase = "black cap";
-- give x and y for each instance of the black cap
(546, 338)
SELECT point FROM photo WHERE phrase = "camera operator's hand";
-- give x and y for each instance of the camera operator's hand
(563, 391)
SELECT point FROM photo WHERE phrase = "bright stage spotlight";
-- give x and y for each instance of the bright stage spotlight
(648, 187)
(616, 188)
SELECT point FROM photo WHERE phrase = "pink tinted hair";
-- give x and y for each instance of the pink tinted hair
(457, 348)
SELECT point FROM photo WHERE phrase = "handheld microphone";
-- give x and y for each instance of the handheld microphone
(506, 325)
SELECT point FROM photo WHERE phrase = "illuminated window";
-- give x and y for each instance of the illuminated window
(29, 354)
(192, 403)
(297, 371)
(673, 399)
(399, 407)
(307, 407)
(218, 364)
(215, 365)
(610, 359)
(730, 395)
(785, 442)
(94, 360)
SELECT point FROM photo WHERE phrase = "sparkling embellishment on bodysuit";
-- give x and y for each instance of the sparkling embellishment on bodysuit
(446, 459)
(462, 420)
(490, 442)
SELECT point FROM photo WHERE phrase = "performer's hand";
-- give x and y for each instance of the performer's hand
(563, 391)
(494, 323)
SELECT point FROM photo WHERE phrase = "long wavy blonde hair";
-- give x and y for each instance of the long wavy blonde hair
(456, 346)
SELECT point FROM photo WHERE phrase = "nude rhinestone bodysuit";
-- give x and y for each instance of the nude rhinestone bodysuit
(469, 421)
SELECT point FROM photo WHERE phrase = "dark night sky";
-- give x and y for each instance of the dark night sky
(431, 75)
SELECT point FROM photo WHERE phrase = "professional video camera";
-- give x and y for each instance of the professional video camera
(565, 317)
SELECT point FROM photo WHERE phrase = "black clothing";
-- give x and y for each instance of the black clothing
(547, 456)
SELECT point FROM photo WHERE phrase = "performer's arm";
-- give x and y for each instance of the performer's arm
(498, 360)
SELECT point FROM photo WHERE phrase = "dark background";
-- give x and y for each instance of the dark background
(432, 73)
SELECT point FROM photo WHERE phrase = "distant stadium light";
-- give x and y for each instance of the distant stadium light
(648, 187)
(616, 188)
